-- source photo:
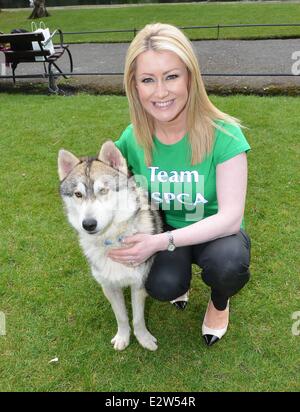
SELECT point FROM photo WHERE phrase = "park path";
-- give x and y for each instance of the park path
(215, 57)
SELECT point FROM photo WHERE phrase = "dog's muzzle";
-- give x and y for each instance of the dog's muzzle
(89, 225)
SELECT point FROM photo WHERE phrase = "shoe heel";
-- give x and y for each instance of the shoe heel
(181, 302)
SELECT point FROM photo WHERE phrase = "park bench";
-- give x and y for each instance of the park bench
(18, 49)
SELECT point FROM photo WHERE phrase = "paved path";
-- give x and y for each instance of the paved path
(215, 57)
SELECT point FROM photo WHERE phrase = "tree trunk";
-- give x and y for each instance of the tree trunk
(39, 10)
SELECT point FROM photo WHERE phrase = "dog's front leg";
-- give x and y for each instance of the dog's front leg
(142, 334)
(116, 299)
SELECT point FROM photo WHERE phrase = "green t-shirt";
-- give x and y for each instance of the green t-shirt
(185, 193)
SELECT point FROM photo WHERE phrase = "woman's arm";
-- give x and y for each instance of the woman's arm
(231, 194)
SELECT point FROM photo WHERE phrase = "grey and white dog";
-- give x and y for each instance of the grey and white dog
(104, 205)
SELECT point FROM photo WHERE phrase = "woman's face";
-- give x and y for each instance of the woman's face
(162, 83)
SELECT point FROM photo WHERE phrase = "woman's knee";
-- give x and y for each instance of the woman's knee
(229, 274)
(227, 264)
(165, 287)
(170, 275)
(229, 279)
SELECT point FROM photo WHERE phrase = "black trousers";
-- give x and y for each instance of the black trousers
(224, 262)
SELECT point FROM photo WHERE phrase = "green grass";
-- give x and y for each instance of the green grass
(53, 306)
(180, 15)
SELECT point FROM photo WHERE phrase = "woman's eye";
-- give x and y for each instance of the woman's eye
(172, 76)
(103, 191)
(147, 80)
(78, 194)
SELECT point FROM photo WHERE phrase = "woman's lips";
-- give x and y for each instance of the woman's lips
(163, 105)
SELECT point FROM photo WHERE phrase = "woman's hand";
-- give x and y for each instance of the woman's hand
(140, 248)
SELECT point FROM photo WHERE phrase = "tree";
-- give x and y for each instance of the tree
(39, 10)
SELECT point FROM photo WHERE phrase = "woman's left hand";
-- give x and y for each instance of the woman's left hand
(140, 248)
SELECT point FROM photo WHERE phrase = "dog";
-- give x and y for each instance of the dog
(104, 204)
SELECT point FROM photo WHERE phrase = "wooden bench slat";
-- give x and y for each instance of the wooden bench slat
(19, 38)
(17, 55)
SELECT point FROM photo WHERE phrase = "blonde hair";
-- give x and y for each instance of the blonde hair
(202, 114)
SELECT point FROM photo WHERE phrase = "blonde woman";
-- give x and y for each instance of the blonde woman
(193, 157)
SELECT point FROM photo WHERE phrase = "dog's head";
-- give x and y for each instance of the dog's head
(96, 191)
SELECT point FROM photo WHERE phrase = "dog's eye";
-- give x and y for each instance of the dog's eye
(78, 194)
(103, 191)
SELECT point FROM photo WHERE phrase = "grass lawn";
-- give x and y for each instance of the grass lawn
(180, 15)
(54, 308)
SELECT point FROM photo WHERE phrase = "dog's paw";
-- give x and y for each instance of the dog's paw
(147, 340)
(120, 341)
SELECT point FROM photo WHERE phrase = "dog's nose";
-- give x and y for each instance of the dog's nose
(89, 224)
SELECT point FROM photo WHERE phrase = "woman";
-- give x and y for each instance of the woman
(193, 157)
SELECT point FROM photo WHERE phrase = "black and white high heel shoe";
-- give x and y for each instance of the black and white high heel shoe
(212, 336)
(181, 302)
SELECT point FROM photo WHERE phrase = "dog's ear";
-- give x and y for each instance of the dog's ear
(66, 162)
(111, 155)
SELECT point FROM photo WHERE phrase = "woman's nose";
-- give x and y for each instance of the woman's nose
(161, 90)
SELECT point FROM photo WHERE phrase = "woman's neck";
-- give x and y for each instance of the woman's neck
(170, 132)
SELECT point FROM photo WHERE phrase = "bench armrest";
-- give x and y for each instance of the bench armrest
(61, 37)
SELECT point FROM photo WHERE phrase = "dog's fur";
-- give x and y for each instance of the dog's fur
(103, 204)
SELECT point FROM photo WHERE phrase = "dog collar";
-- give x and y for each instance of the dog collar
(117, 241)
(110, 242)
